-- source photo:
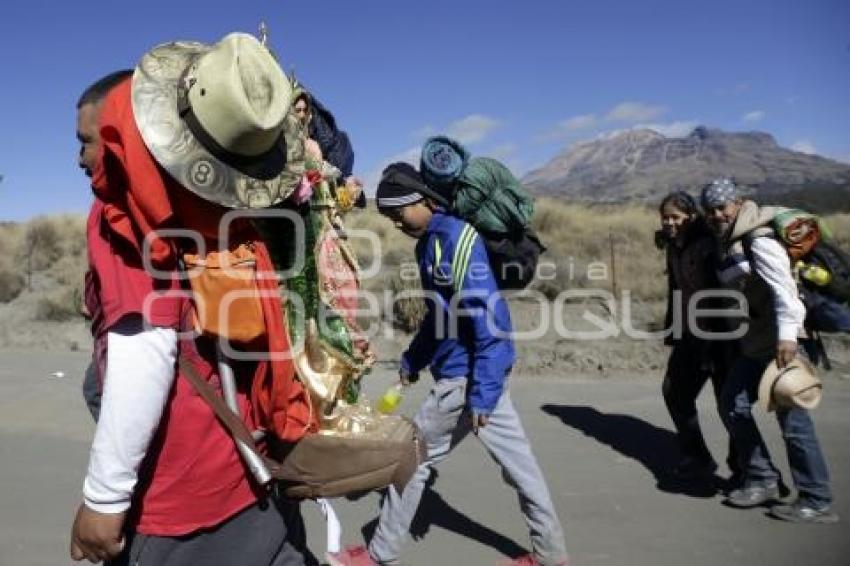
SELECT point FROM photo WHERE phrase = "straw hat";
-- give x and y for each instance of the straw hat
(216, 118)
(795, 385)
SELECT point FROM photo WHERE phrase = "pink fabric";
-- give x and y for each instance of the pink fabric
(304, 191)
(339, 286)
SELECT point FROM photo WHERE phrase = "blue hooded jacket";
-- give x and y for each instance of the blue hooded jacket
(467, 329)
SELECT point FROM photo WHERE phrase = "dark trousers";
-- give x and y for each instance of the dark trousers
(265, 534)
(808, 466)
(92, 391)
(693, 362)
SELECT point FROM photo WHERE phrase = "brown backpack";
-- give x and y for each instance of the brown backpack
(329, 465)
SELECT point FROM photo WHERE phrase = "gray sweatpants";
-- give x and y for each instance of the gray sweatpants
(444, 421)
(268, 533)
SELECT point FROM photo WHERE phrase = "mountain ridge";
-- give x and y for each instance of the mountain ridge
(644, 165)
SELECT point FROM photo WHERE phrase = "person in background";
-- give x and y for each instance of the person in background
(754, 262)
(691, 267)
(333, 143)
(470, 364)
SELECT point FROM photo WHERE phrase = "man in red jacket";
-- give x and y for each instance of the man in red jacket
(165, 483)
(88, 134)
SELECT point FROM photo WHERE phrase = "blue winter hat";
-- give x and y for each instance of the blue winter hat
(442, 162)
(719, 192)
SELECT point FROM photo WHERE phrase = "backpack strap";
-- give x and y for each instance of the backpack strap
(234, 425)
(208, 393)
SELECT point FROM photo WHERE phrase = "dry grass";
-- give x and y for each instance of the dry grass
(579, 235)
(11, 284)
(59, 305)
(607, 247)
(579, 238)
(604, 247)
(579, 241)
(40, 308)
(47, 254)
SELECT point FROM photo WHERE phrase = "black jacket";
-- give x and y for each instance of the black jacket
(334, 143)
(691, 268)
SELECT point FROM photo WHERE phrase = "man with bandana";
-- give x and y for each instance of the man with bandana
(89, 106)
(754, 262)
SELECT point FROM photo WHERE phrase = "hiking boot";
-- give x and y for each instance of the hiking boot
(804, 512)
(692, 469)
(752, 495)
(733, 482)
(357, 555)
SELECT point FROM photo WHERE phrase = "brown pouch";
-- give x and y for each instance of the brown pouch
(333, 465)
(225, 294)
(327, 464)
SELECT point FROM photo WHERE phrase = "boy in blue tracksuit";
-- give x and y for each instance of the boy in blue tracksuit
(465, 340)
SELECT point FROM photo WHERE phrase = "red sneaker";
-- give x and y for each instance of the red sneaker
(356, 555)
(526, 560)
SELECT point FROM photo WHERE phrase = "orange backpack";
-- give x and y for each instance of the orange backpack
(236, 297)
(225, 294)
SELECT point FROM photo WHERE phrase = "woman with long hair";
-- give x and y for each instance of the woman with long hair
(694, 358)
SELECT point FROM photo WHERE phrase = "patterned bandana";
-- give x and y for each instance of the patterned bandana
(718, 193)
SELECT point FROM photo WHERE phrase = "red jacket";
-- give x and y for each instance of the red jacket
(192, 476)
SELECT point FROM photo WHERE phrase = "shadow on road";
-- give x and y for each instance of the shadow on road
(655, 448)
(433, 510)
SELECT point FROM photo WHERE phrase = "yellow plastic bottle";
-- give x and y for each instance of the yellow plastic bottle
(814, 273)
(390, 401)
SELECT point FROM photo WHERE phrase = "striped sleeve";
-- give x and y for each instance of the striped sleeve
(462, 255)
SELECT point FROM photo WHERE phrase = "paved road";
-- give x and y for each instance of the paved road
(602, 445)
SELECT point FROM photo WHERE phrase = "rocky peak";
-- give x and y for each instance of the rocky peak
(642, 164)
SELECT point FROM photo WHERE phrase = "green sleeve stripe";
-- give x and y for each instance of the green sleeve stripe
(460, 262)
(465, 266)
(460, 248)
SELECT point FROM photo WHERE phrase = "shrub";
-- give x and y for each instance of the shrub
(71, 230)
(407, 312)
(58, 306)
(11, 235)
(41, 246)
(11, 285)
(69, 271)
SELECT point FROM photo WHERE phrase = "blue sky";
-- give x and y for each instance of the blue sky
(516, 80)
